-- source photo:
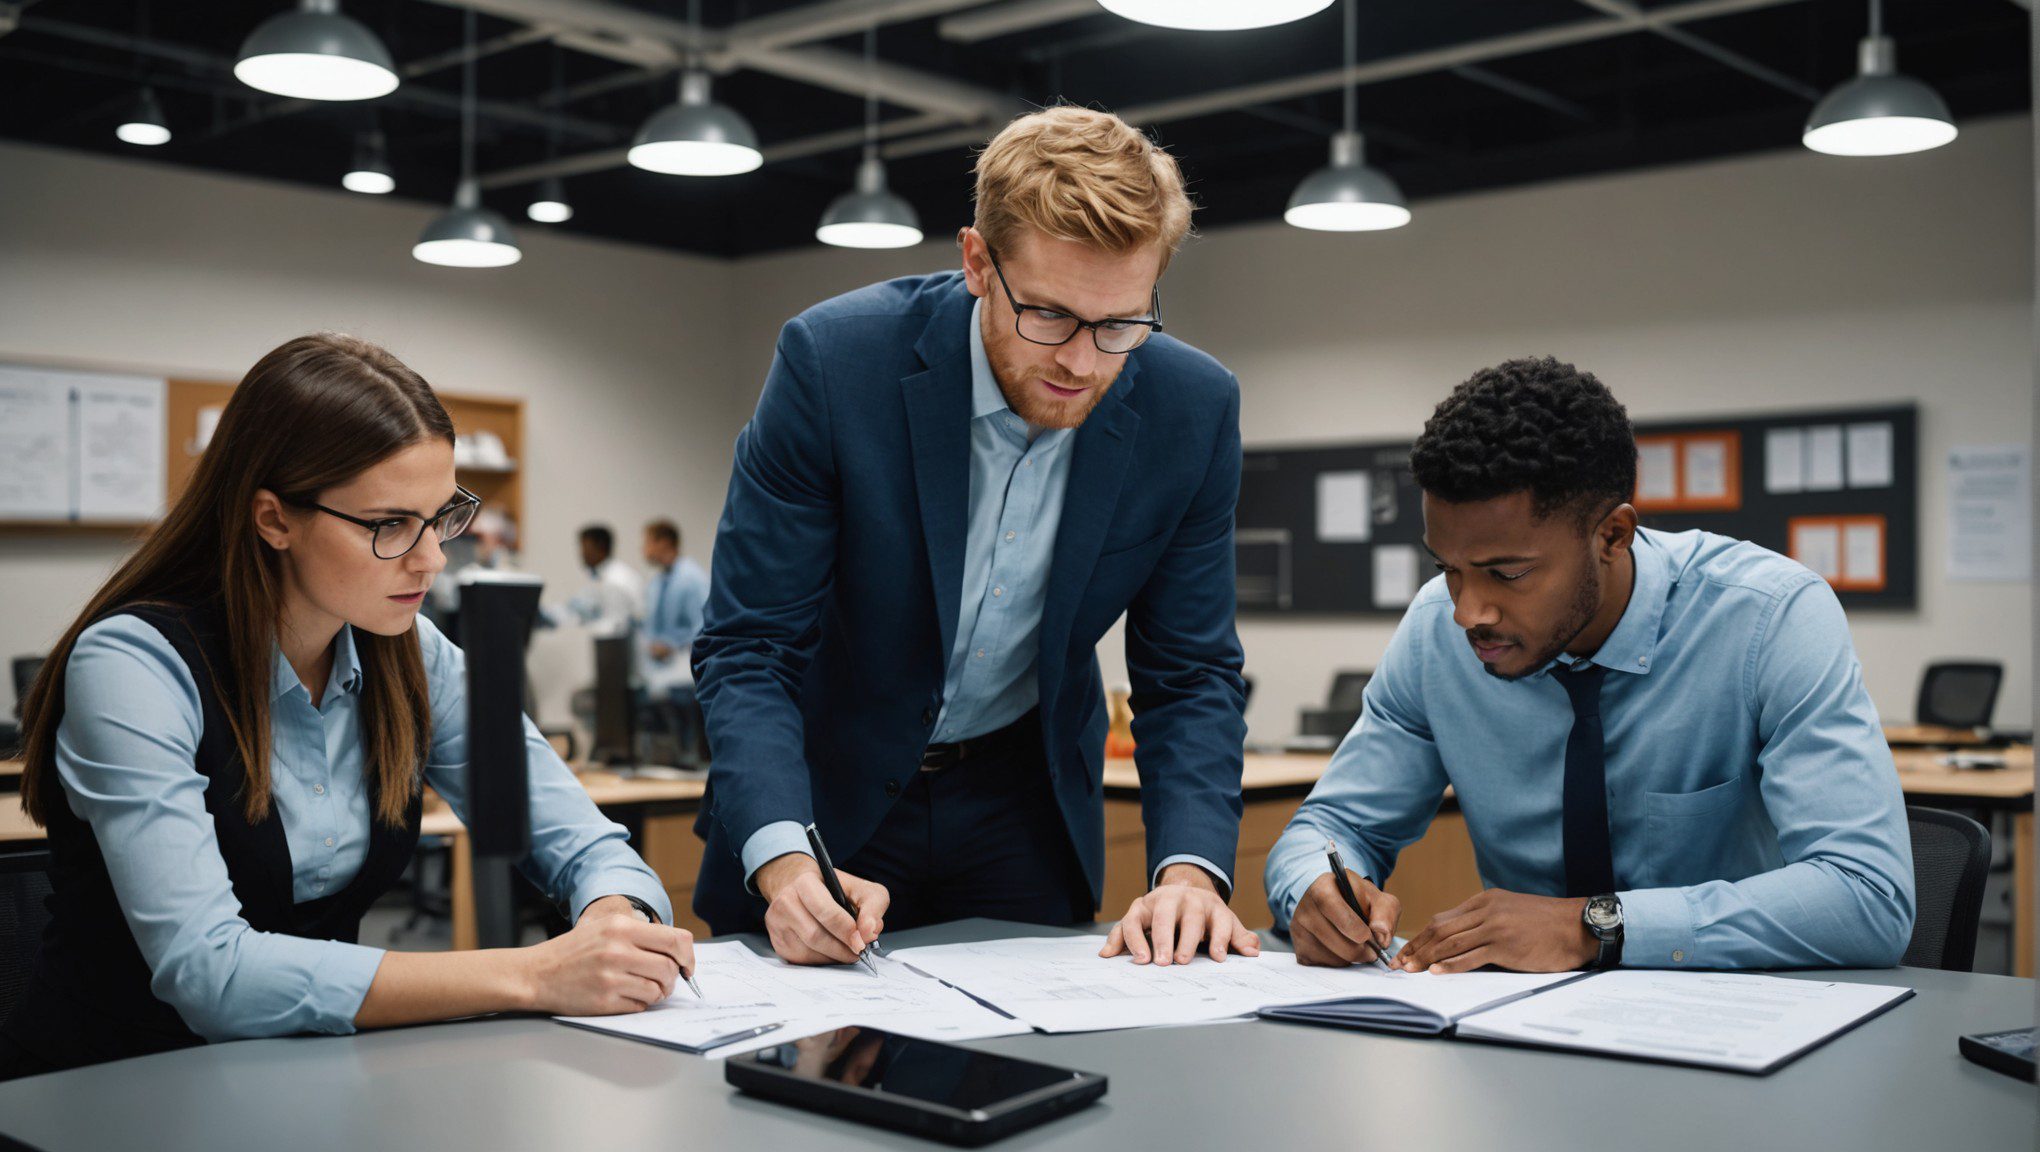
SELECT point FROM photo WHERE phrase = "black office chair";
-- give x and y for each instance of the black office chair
(1951, 858)
(1342, 706)
(24, 882)
(25, 669)
(1959, 695)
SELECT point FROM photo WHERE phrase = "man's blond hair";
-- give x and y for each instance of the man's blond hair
(1077, 174)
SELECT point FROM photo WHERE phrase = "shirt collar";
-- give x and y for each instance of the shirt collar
(1632, 647)
(985, 397)
(345, 677)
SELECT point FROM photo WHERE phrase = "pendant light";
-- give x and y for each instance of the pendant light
(696, 136)
(315, 53)
(1879, 113)
(550, 205)
(1215, 15)
(468, 235)
(870, 215)
(144, 124)
(370, 173)
(1348, 195)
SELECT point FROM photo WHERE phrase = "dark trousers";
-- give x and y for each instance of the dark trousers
(983, 837)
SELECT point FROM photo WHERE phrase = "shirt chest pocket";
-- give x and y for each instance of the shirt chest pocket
(1690, 833)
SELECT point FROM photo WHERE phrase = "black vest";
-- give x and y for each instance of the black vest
(89, 998)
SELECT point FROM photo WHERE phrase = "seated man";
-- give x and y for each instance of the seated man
(1661, 741)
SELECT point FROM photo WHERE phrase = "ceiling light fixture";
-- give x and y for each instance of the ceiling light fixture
(468, 235)
(696, 136)
(870, 215)
(315, 53)
(1215, 15)
(1348, 195)
(1880, 112)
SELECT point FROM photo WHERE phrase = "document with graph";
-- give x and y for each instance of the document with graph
(1061, 984)
(741, 990)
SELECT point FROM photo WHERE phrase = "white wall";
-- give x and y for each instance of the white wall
(1774, 282)
(619, 352)
(1779, 281)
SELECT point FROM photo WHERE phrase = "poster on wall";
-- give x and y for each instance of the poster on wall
(1990, 512)
(80, 446)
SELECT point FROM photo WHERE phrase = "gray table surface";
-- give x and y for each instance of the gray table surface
(501, 1084)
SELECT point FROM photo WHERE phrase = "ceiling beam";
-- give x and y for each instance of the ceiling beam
(1015, 16)
(1624, 10)
(1528, 93)
(1386, 68)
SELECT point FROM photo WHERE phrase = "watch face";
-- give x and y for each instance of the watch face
(1603, 913)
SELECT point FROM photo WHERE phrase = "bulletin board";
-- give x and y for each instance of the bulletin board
(1338, 529)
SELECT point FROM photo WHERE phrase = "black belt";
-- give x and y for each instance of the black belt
(936, 757)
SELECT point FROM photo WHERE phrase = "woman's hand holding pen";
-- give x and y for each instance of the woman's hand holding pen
(606, 965)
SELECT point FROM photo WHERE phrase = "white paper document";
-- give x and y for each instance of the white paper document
(1657, 472)
(1863, 554)
(1785, 460)
(1345, 513)
(1395, 575)
(1990, 512)
(1732, 1020)
(1870, 455)
(741, 990)
(122, 430)
(1061, 984)
(1706, 470)
(1819, 547)
(1824, 458)
(36, 448)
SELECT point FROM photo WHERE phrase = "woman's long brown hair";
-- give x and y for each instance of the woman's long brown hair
(315, 413)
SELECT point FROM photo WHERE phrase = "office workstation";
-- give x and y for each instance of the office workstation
(840, 573)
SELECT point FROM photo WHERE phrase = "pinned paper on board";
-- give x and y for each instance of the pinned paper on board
(1345, 514)
(1863, 553)
(1705, 471)
(1395, 575)
(1824, 458)
(1846, 551)
(81, 446)
(1817, 543)
(1870, 447)
(1990, 512)
(1785, 460)
(1657, 472)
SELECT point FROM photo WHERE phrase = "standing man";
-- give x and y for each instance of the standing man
(613, 599)
(674, 598)
(953, 485)
(1661, 741)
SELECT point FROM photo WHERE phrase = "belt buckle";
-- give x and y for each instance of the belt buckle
(935, 759)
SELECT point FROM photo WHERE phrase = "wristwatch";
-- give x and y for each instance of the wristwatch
(643, 908)
(1603, 918)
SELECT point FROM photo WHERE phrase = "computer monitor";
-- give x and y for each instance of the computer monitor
(615, 738)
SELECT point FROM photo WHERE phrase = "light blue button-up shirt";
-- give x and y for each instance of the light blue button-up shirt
(126, 753)
(674, 598)
(1754, 812)
(1018, 477)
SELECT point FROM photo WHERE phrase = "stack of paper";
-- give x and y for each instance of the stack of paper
(743, 990)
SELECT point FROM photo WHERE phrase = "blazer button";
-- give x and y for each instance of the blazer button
(892, 789)
(927, 716)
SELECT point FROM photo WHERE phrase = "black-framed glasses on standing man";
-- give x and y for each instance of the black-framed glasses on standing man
(1055, 327)
(393, 536)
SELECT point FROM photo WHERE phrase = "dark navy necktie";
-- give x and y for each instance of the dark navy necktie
(1589, 862)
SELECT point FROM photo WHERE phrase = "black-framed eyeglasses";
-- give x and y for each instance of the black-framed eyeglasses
(1055, 327)
(393, 536)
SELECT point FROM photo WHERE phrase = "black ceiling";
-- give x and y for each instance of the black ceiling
(1625, 101)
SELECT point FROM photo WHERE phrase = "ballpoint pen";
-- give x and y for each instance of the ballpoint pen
(733, 1037)
(1352, 900)
(814, 839)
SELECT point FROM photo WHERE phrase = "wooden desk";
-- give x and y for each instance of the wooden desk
(1438, 872)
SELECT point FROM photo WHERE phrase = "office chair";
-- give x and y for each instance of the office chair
(1951, 858)
(1342, 706)
(24, 883)
(1959, 695)
(25, 669)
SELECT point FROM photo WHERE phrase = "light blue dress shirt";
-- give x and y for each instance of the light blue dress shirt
(126, 754)
(1018, 477)
(674, 598)
(1753, 807)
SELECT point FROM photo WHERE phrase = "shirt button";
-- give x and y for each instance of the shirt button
(329, 841)
(981, 653)
(999, 591)
(1027, 463)
(318, 789)
(1010, 535)
(1679, 956)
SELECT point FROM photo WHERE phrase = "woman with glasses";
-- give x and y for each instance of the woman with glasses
(228, 748)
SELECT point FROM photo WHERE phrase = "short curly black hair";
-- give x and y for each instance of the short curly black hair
(1540, 425)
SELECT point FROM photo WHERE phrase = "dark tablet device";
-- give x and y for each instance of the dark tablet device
(2008, 1052)
(919, 1086)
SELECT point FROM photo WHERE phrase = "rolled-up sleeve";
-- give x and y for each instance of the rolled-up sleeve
(126, 754)
(1380, 791)
(577, 855)
(1844, 897)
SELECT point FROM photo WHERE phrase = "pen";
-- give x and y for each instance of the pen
(733, 1037)
(814, 839)
(1352, 900)
(696, 988)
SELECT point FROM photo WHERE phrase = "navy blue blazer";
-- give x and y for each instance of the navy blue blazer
(839, 566)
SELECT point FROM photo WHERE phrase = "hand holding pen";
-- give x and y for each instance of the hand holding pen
(1339, 922)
